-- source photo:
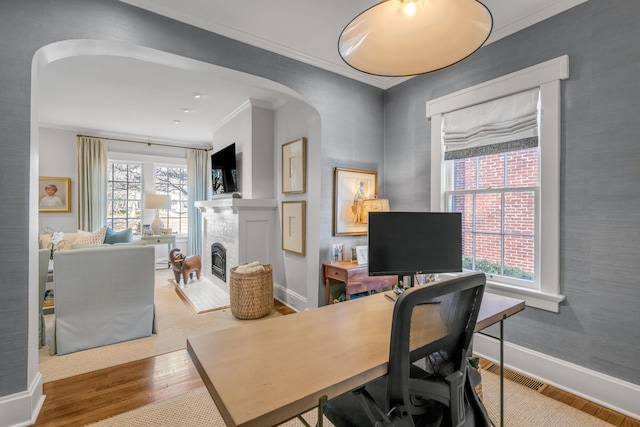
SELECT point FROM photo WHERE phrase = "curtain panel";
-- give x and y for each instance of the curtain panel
(198, 177)
(91, 172)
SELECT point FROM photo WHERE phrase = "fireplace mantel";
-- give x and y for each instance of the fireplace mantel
(236, 204)
(246, 228)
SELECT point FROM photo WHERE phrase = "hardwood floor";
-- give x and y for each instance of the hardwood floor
(101, 394)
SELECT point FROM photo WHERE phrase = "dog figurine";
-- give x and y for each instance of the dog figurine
(184, 266)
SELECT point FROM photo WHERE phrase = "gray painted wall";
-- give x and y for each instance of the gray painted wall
(597, 326)
(351, 123)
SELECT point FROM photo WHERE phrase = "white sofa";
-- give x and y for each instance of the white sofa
(103, 295)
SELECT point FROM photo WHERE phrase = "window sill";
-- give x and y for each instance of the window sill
(532, 298)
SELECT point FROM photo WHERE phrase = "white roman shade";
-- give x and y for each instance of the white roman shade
(504, 124)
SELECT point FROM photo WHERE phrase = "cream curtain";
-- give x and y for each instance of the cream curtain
(198, 179)
(91, 172)
(504, 124)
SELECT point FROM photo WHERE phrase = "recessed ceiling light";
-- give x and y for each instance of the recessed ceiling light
(186, 110)
(197, 95)
(177, 122)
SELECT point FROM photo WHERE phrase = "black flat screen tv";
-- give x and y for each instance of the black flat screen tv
(406, 243)
(223, 170)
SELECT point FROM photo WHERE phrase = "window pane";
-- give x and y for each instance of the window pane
(463, 203)
(467, 251)
(519, 257)
(464, 174)
(124, 195)
(491, 171)
(173, 181)
(519, 213)
(522, 168)
(489, 212)
(488, 253)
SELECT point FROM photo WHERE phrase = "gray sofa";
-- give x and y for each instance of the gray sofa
(103, 295)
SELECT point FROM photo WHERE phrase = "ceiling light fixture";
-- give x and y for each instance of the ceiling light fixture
(197, 95)
(186, 110)
(177, 122)
(398, 38)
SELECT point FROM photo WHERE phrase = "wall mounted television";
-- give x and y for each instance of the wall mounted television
(224, 177)
(408, 243)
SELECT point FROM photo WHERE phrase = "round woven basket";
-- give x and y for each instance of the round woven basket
(251, 294)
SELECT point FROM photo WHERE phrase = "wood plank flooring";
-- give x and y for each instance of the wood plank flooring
(101, 394)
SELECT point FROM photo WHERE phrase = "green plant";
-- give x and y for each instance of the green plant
(491, 267)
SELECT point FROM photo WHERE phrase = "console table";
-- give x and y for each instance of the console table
(169, 240)
(355, 277)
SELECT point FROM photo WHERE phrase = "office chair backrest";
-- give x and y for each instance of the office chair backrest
(439, 332)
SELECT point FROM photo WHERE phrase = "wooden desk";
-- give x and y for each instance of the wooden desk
(355, 277)
(264, 373)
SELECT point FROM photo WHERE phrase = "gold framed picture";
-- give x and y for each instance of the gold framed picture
(294, 227)
(350, 189)
(54, 194)
(294, 166)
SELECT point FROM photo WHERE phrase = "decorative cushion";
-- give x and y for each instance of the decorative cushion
(94, 239)
(124, 236)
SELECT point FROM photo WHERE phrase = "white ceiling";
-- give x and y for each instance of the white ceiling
(118, 96)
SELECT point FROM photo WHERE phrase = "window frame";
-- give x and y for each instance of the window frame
(546, 76)
(155, 166)
(128, 162)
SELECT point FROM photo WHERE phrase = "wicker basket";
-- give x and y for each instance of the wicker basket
(251, 294)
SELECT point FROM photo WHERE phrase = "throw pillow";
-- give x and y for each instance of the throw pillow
(124, 236)
(96, 238)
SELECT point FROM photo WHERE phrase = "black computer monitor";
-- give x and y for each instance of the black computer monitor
(408, 243)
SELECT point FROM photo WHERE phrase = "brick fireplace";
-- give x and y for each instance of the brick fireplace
(242, 230)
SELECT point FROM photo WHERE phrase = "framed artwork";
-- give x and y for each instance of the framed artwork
(54, 194)
(350, 188)
(294, 166)
(294, 227)
(362, 254)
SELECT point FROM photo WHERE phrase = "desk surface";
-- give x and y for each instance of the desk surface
(267, 372)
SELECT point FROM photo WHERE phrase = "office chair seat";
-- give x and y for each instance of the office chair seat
(428, 381)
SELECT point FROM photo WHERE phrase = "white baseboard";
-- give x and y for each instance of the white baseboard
(291, 299)
(22, 409)
(607, 391)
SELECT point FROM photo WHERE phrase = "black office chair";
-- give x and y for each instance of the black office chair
(428, 378)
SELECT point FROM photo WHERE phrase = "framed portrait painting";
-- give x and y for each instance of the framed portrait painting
(294, 227)
(294, 166)
(54, 194)
(350, 188)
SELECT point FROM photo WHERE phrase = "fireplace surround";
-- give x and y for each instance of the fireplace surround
(246, 229)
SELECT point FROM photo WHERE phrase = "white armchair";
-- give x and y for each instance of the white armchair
(103, 295)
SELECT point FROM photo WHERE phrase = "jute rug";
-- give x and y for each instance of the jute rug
(523, 408)
(176, 321)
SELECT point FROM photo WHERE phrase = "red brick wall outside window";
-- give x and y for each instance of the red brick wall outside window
(496, 196)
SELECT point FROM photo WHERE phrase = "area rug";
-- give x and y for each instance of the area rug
(523, 408)
(202, 294)
(176, 321)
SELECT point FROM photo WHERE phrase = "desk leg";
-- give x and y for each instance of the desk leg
(502, 372)
(327, 290)
(321, 405)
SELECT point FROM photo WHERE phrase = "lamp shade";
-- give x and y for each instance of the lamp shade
(409, 37)
(373, 205)
(157, 201)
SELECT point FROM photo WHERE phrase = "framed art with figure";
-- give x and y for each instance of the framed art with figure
(54, 194)
(350, 189)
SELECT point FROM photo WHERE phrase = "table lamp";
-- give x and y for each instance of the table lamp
(373, 205)
(157, 202)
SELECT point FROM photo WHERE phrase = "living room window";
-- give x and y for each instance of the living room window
(505, 183)
(172, 180)
(124, 195)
